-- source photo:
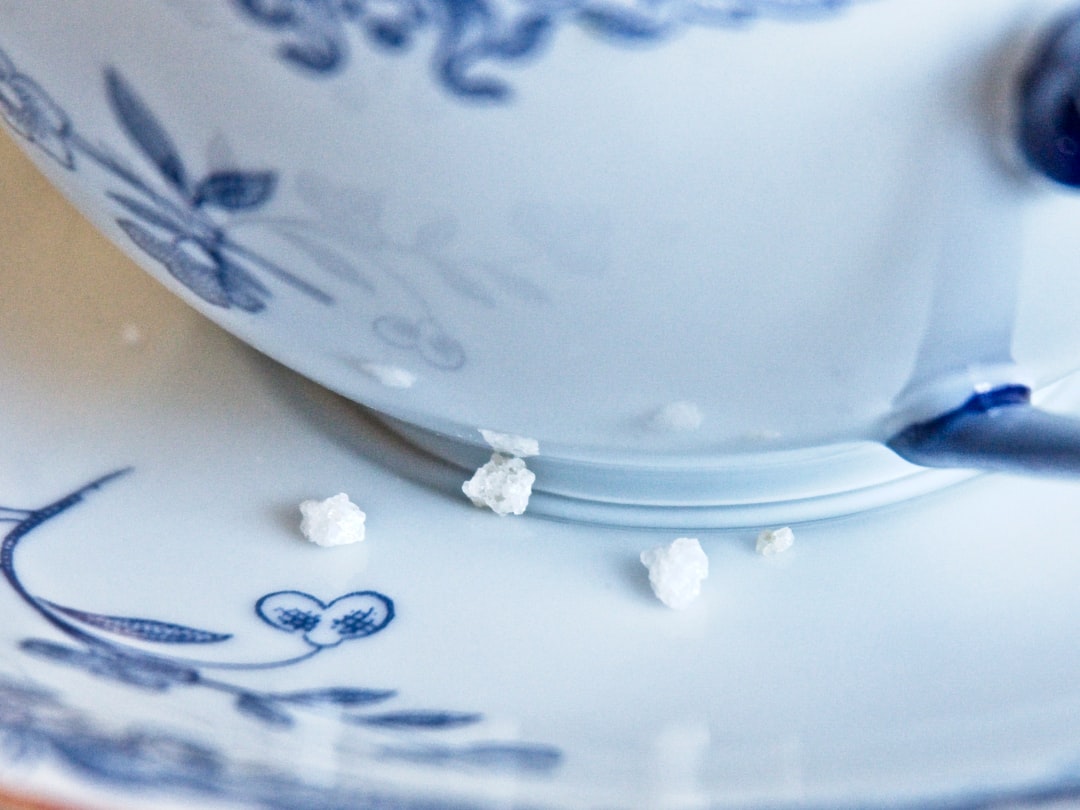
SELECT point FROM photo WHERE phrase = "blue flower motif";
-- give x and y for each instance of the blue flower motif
(179, 220)
(198, 261)
(355, 615)
(33, 114)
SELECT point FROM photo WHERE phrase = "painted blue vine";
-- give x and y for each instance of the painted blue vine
(472, 35)
(182, 221)
(99, 645)
(37, 724)
(188, 222)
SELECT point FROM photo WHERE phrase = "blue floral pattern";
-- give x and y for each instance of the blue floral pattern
(37, 725)
(31, 113)
(471, 34)
(187, 223)
(348, 617)
(180, 221)
(34, 723)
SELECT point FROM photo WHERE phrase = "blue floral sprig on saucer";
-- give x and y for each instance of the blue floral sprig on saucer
(37, 725)
(102, 648)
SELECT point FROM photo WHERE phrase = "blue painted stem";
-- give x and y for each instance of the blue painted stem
(995, 430)
(31, 520)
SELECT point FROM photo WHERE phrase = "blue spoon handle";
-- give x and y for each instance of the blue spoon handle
(1049, 122)
(995, 430)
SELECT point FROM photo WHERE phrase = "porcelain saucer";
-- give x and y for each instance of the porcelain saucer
(170, 640)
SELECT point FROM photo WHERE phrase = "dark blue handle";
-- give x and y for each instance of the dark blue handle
(999, 429)
(995, 430)
(1049, 94)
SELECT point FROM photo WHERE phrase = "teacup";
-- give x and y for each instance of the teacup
(716, 263)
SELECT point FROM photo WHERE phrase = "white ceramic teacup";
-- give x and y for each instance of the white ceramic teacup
(712, 257)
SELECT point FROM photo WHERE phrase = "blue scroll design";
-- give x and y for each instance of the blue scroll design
(471, 35)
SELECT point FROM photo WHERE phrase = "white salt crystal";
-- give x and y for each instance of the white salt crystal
(676, 571)
(775, 541)
(678, 417)
(335, 521)
(503, 485)
(390, 376)
(510, 445)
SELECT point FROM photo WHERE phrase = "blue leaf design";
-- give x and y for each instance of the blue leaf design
(326, 257)
(214, 279)
(338, 696)
(143, 671)
(493, 756)
(620, 23)
(274, 13)
(149, 214)
(419, 720)
(322, 55)
(142, 629)
(144, 129)
(263, 709)
(510, 756)
(236, 190)
(528, 36)
(388, 33)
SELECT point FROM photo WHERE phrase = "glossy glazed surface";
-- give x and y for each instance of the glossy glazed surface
(918, 656)
(523, 222)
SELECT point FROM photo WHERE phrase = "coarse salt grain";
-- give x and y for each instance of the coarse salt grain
(676, 571)
(503, 485)
(336, 521)
(775, 541)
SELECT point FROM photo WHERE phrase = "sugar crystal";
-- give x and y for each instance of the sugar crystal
(335, 521)
(503, 485)
(676, 571)
(678, 417)
(775, 541)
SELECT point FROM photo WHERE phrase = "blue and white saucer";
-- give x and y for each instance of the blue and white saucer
(170, 640)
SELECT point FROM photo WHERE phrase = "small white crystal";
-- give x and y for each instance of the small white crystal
(503, 485)
(390, 376)
(678, 417)
(510, 445)
(335, 521)
(676, 571)
(131, 334)
(775, 541)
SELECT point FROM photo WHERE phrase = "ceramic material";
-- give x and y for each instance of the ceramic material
(170, 640)
(708, 256)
